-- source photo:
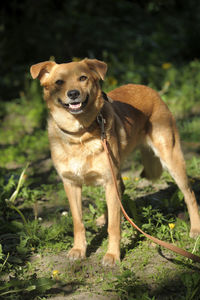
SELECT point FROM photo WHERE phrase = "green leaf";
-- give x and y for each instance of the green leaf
(31, 288)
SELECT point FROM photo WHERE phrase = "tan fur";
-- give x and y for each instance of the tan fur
(137, 117)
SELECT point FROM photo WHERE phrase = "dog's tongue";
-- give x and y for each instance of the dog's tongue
(75, 105)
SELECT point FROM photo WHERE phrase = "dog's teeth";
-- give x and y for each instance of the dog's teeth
(75, 106)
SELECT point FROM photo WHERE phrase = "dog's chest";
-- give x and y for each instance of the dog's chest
(82, 163)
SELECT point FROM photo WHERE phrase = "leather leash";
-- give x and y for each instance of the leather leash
(195, 258)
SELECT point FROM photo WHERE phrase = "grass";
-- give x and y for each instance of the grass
(36, 224)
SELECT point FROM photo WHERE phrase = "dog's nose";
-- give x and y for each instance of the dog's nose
(73, 94)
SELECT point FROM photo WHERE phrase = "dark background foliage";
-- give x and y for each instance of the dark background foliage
(148, 32)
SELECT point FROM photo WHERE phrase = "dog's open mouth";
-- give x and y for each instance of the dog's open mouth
(75, 107)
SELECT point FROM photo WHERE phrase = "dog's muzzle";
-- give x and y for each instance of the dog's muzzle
(74, 106)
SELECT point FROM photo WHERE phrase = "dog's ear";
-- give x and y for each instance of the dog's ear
(42, 70)
(98, 66)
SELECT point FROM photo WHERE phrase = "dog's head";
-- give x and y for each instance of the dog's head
(71, 86)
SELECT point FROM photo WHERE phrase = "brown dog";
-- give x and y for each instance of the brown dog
(136, 117)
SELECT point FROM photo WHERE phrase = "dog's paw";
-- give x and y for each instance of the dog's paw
(194, 233)
(76, 253)
(110, 260)
(101, 221)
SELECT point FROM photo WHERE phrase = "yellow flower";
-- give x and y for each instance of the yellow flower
(52, 58)
(166, 66)
(111, 80)
(125, 178)
(55, 273)
(171, 226)
(137, 178)
(76, 59)
(25, 176)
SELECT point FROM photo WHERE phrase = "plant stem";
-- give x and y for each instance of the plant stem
(19, 212)
(171, 236)
(195, 245)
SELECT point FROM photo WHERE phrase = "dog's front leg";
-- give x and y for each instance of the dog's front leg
(113, 253)
(74, 196)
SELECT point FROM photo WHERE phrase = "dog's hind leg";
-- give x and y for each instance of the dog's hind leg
(74, 196)
(166, 144)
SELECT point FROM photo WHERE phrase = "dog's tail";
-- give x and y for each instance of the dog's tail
(152, 165)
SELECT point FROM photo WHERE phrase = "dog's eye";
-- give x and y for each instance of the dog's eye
(83, 78)
(59, 82)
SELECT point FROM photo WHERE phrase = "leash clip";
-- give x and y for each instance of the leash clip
(101, 121)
